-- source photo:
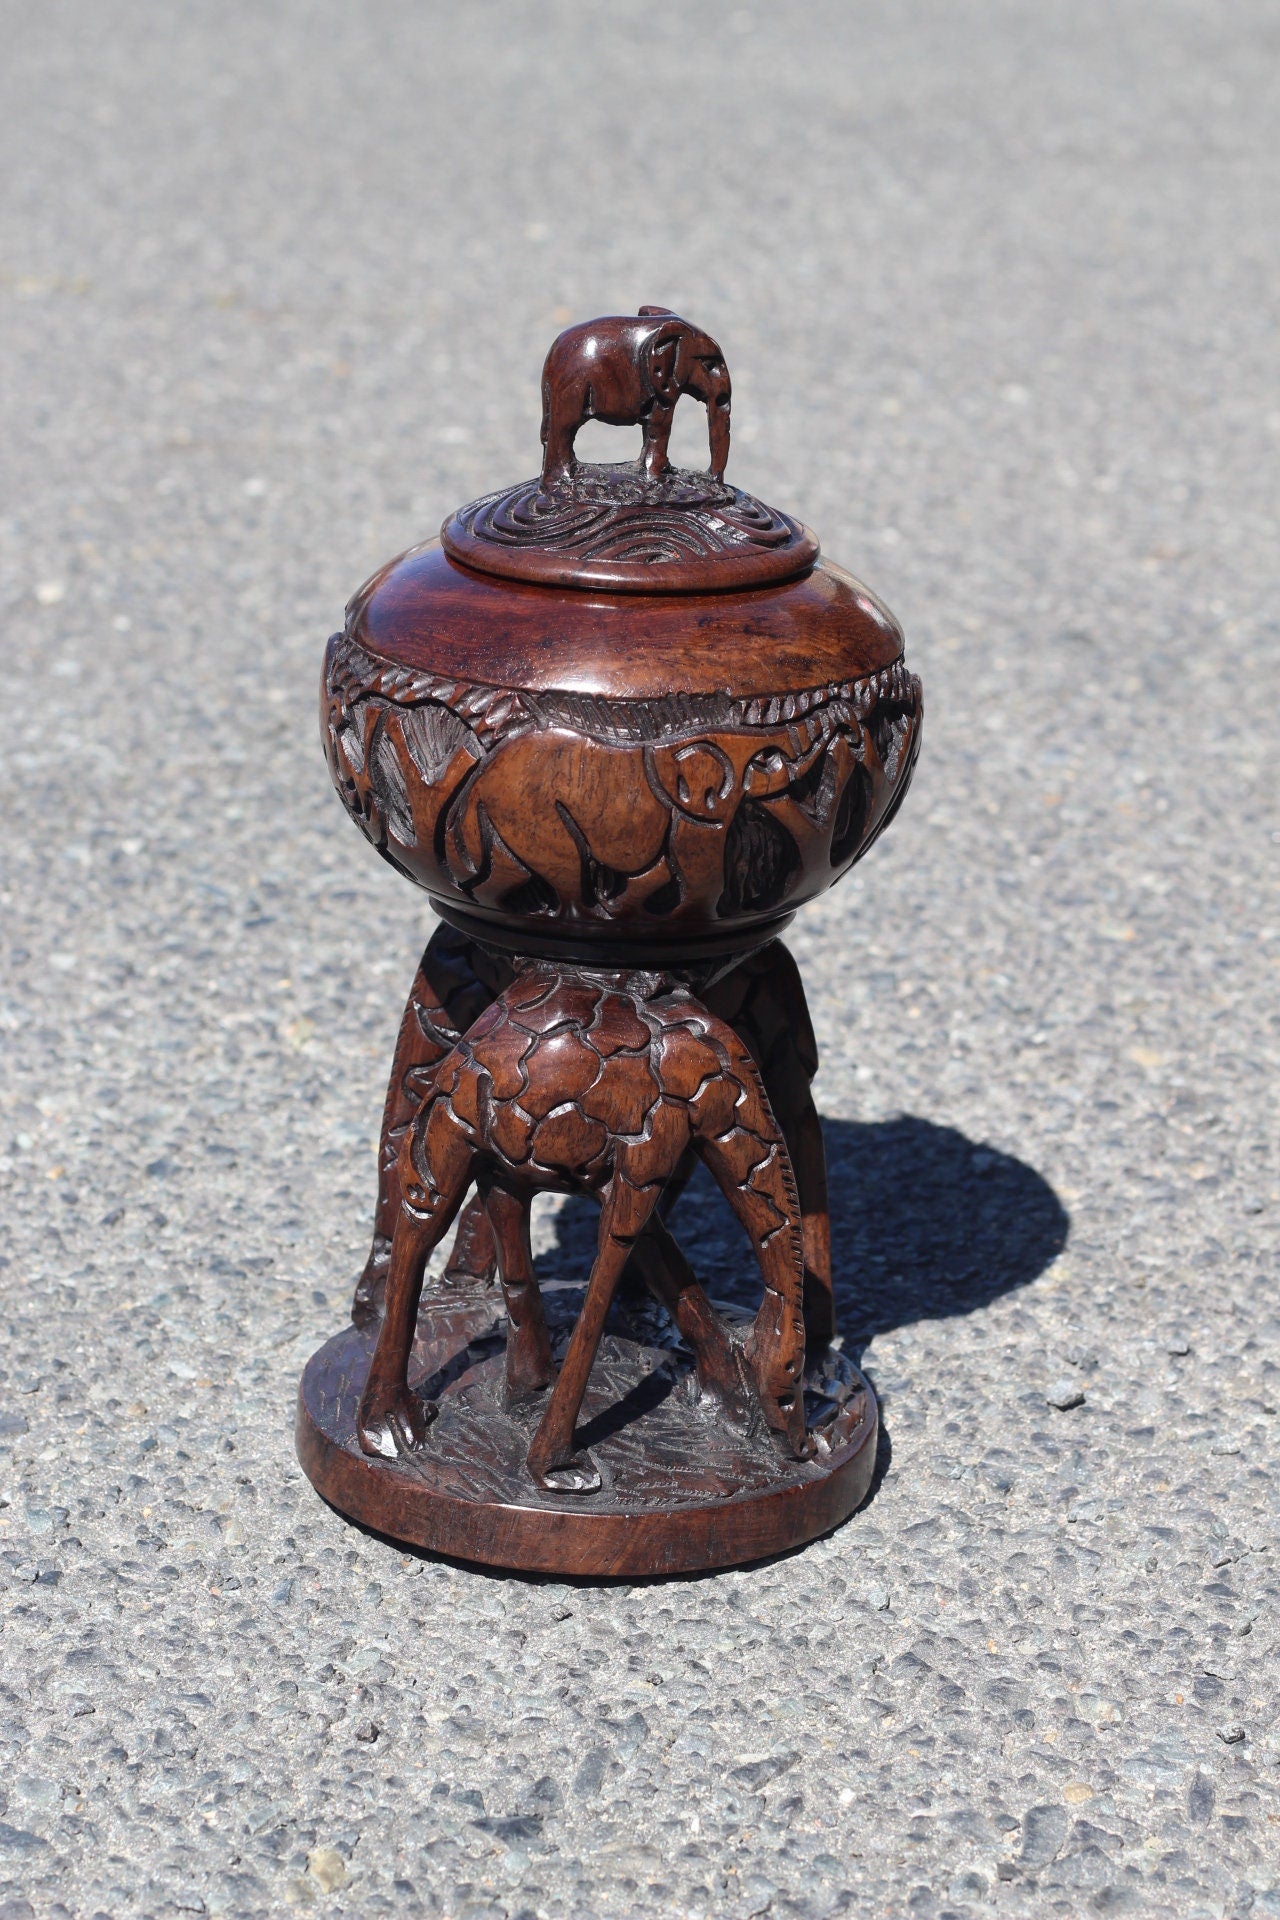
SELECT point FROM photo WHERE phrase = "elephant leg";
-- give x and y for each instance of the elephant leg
(528, 1342)
(392, 1420)
(558, 433)
(657, 435)
(658, 1260)
(552, 1460)
(445, 991)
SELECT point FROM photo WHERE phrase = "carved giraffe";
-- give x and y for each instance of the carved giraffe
(761, 998)
(593, 1083)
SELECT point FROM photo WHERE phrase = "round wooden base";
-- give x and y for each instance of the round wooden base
(681, 1488)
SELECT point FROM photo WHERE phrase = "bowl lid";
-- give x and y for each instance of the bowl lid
(634, 527)
(425, 614)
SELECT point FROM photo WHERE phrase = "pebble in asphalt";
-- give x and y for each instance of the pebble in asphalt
(995, 288)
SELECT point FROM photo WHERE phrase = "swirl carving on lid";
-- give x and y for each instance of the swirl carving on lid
(608, 513)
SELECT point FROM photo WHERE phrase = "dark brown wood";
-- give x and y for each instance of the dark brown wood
(631, 528)
(615, 799)
(647, 825)
(761, 998)
(682, 1490)
(593, 1083)
(630, 370)
(456, 980)
(424, 614)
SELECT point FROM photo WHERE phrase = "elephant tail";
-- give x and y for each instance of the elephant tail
(546, 409)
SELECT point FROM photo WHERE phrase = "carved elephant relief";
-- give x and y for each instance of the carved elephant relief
(541, 819)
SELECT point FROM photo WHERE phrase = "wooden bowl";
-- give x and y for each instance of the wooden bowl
(632, 776)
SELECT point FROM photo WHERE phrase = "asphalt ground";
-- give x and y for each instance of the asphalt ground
(997, 285)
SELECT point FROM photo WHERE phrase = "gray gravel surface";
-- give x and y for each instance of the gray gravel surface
(997, 286)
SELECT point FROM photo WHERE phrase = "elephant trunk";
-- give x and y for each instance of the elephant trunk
(718, 435)
(708, 381)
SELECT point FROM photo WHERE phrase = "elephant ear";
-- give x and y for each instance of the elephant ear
(662, 365)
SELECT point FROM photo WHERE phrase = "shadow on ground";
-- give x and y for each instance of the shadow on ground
(925, 1224)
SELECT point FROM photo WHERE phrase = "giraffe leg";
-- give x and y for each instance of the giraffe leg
(473, 1258)
(552, 1460)
(528, 1343)
(392, 1419)
(657, 1258)
(648, 1268)
(446, 996)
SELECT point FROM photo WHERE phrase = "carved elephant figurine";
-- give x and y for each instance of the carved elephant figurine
(629, 370)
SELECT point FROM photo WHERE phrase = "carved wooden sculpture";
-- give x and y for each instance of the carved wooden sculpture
(619, 722)
(761, 998)
(630, 370)
(597, 1084)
